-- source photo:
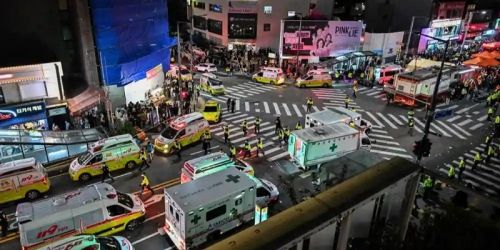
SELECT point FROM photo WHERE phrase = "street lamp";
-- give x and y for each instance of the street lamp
(471, 14)
(409, 36)
(432, 108)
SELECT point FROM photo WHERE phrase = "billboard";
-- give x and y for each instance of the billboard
(320, 38)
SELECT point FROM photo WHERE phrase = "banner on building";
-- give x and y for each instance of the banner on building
(320, 38)
(385, 44)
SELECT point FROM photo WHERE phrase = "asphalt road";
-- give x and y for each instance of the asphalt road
(461, 136)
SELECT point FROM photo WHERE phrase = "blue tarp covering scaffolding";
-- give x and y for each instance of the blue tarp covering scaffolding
(131, 38)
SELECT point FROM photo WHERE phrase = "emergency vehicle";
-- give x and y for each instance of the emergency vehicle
(212, 111)
(91, 242)
(209, 164)
(186, 129)
(269, 75)
(116, 152)
(209, 83)
(203, 209)
(183, 73)
(96, 209)
(337, 115)
(25, 178)
(417, 87)
(315, 78)
(387, 72)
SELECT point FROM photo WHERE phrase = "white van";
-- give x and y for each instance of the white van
(96, 209)
(25, 178)
(211, 163)
(91, 242)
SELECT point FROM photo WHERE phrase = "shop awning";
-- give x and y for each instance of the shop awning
(482, 62)
(86, 100)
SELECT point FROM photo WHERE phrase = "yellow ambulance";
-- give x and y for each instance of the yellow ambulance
(271, 75)
(25, 178)
(315, 78)
(116, 152)
(186, 130)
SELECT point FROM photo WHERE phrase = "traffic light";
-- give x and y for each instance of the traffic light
(422, 147)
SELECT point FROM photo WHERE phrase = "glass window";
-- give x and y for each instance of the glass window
(238, 202)
(243, 26)
(210, 109)
(108, 243)
(116, 210)
(169, 133)
(262, 192)
(124, 199)
(200, 22)
(267, 27)
(215, 8)
(57, 152)
(76, 149)
(216, 212)
(177, 216)
(215, 26)
(268, 9)
(199, 5)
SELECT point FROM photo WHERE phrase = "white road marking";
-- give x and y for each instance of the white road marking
(483, 118)
(316, 108)
(440, 130)
(451, 130)
(247, 106)
(391, 153)
(387, 121)
(287, 110)
(461, 130)
(236, 117)
(145, 238)
(297, 110)
(237, 103)
(476, 126)
(276, 108)
(396, 120)
(386, 142)
(266, 107)
(201, 151)
(373, 93)
(276, 148)
(375, 119)
(278, 156)
(388, 147)
(454, 118)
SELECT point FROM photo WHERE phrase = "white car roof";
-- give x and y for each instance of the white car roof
(16, 164)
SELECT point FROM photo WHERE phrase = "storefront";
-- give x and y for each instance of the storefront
(27, 116)
(442, 28)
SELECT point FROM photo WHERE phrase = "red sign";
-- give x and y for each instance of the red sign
(154, 71)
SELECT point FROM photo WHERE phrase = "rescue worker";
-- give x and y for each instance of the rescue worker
(177, 148)
(4, 223)
(491, 113)
(106, 174)
(232, 151)
(286, 133)
(309, 104)
(427, 187)
(352, 124)
(346, 101)
(143, 156)
(298, 126)
(410, 114)
(337, 75)
(491, 152)
(411, 124)
(260, 147)
(461, 168)
(281, 137)
(207, 137)
(247, 149)
(497, 125)
(488, 140)
(228, 104)
(477, 160)
(226, 133)
(244, 127)
(355, 90)
(145, 184)
(277, 124)
(256, 125)
(451, 173)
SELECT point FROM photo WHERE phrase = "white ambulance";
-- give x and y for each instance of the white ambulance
(96, 209)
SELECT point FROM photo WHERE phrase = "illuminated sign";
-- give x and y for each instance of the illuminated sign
(16, 114)
(441, 23)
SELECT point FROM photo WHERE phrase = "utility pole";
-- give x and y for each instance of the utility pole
(298, 40)
(409, 36)
(178, 45)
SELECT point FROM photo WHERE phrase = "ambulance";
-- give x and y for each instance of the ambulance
(315, 78)
(25, 178)
(116, 152)
(386, 73)
(91, 242)
(211, 163)
(271, 75)
(186, 129)
(96, 209)
(209, 83)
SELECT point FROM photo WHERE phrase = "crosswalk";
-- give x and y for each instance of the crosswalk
(485, 178)
(385, 145)
(245, 90)
(271, 144)
(334, 98)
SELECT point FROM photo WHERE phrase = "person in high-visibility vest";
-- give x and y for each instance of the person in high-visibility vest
(428, 186)
(487, 140)
(298, 126)
(244, 127)
(309, 103)
(491, 112)
(145, 184)
(257, 125)
(411, 124)
(354, 90)
(247, 149)
(477, 160)
(281, 137)
(461, 168)
(226, 133)
(410, 114)
(232, 151)
(352, 124)
(497, 125)
(346, 101)
(286, 133)
(177, 148)
(260, 147)
(207, 137)
(491, 152)
(451, 172)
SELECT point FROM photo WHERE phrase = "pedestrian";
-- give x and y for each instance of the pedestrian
(145, 184)
(477, 160)
(233, 105)
(410, 114)
(491, 152)
(428, 186)
(177, 148)
(309, 103)
(298, 126)
(207, 137)
(226, 133)
(346, 101)
(281, 137)
(461, 168)
(355, 90)
(256, 125)
(260, 147)
(4, 223)
(451, 173)
(488, 140)
(106, 174)
(144, 158)
(150, 149)
(228, 104)
(232, 151)
(497, 125)
(286, 133)
(277, 123)
(411, 124)
(244, 127)
(247, 149)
